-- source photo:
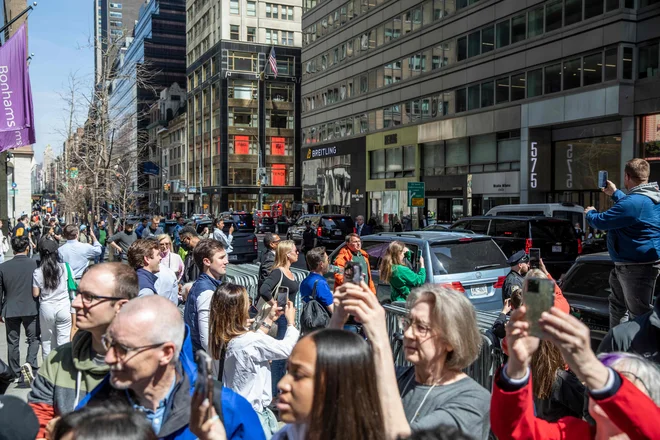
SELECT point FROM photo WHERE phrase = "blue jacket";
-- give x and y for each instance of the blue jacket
(323, 292)
(632, 225)
(203, 283)
(240, 420)
(146, 280)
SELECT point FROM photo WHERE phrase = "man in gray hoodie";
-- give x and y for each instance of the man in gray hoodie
(121, 241)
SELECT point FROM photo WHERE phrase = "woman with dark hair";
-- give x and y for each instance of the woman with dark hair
(245, 356)
(330, 390)
(104, 422)
(49, 284)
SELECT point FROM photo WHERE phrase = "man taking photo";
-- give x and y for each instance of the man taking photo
(633, 241)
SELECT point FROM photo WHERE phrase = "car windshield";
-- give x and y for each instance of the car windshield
(552, 231)
(467, 256)
(589, 280)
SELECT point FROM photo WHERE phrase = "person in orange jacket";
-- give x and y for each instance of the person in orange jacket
(623, 391)
(353, 252)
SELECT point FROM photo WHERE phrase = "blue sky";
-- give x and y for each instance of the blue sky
(59, 35)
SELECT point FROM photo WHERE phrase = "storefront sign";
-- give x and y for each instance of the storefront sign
(391, 139)
(496, 183)
(241, 144)
(357, 196)
(321, 152)
(278, 175)
(278, 146)
(539, 155)
(416, 194)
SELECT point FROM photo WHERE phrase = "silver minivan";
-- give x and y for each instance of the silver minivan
(471, 264)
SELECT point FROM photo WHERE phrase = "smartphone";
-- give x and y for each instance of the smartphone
(538, 296)
(534, 257)
(353, 273)
(602, 179)
(204, 381)
(419, 254)
(282, 297)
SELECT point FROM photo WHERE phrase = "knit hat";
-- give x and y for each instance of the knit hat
(17, 420)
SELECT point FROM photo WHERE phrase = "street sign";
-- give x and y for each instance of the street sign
(73, 172)
(416, 194)
(13, 192)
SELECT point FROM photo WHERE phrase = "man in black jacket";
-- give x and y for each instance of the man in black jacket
(189, 239)
(267, 258)
(640, 336)
(19, 307)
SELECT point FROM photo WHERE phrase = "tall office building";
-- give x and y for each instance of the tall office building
(241, 116)
(113, 20)
(487, 102)
(154, 60)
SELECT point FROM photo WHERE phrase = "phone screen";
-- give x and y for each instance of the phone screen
(602, 179)
(353, 273)
(419, 254)
(204, 380)
(538, 296)
(282, 296)
(534, 257)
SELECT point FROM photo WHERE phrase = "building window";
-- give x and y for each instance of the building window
(115, 5)
(592, 8)
(518, 28)
(461, 100)
(592, 72)
(627, 63)
(271, 10)
(553, 13)
(233, 7)
(242, 90)
(271, 36)
(280, 119)
(289, 13)
(487, 94)
(553, 79)
(242, 61)
(535, 22)
(487, 39)
(502, 90)
(610, 64)
(473, 97)
(571, 74)
(251, 8)
(648, 61)
(280, 146)
(573, 12)
(115, 14)
(462, 49)
(242, 117)
(392, 162)
(279, 92)
(234, 32)
(534, 83)
(502, 34)
(287, 38)
(474, 44)
(251, 34)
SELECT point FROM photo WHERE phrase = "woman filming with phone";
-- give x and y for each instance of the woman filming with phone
(245, 356)
(400, 277)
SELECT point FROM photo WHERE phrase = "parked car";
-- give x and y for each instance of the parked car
(586, 287)
(555, 237)
(568, 211)
(331, 229)
(267, 224)
(245, 245)
(469, 263)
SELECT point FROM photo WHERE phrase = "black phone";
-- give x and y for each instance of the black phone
(538, 297)
(204, 380)
(534, 258)
(419, 254)
(282, 297)
(602, 179)
(353, 273)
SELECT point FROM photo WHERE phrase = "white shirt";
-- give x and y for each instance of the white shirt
(174, 262)
(203, 313)
(61, 292)
(167, 285)
(78, 254)
(247, 364)
(224, 239)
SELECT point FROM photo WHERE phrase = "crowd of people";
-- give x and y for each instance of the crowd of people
(124, 342)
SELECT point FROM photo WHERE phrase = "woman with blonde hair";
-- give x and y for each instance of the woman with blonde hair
(170, 259)
(281, 276)
(245, 357)
(400, 277)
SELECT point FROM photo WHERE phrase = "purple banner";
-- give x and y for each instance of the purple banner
(16, 113)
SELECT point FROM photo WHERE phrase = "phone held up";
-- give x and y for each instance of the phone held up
(534, 258)
(539, 297)
(353, 273)
(602, 179)
(282, 297)
(204, 381)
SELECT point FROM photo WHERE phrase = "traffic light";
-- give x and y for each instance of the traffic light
(166, 187)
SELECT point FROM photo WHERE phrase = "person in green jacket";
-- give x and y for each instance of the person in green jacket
(394, 271)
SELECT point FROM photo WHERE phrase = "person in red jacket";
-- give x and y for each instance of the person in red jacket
(623, 390)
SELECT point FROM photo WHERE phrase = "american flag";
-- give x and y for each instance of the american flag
(272, 61)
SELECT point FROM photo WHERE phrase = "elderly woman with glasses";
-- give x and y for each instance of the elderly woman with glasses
(441, 338)
(170, 259)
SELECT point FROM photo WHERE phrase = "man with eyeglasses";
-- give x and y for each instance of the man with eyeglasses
(72, 370)
(152, 369)
(267, 258)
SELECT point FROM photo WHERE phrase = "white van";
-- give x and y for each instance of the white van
(568, 211)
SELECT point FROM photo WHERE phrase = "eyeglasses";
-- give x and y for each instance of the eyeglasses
(89, 298)
(121, 350)
(418, 329)
(165, 244)
(296, 251)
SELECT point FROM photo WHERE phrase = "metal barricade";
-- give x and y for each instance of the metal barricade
(481, 370)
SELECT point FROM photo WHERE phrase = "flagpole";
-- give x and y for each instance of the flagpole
(13, 20)
(261, 162)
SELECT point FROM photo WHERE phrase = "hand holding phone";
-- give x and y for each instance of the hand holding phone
(534, 258)
(282, 297)
(539, 297)
(602, 179)
(353, 273)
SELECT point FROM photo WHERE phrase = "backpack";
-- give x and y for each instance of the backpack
(314, 315)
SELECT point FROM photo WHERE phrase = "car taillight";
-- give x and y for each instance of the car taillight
(319, 231)
(456, 285)
(354, 230)
(579, 246)
(528, 245)
(500, 283)
(464, 240)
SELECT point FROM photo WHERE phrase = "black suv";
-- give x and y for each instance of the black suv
(244, 244)
(555, 237)
(331, 229)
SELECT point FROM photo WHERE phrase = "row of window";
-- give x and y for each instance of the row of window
(528, 24)
(517, 28)
(285, 12)
(115, 5)
(114, 14)
(284, 38)
(572, 73)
